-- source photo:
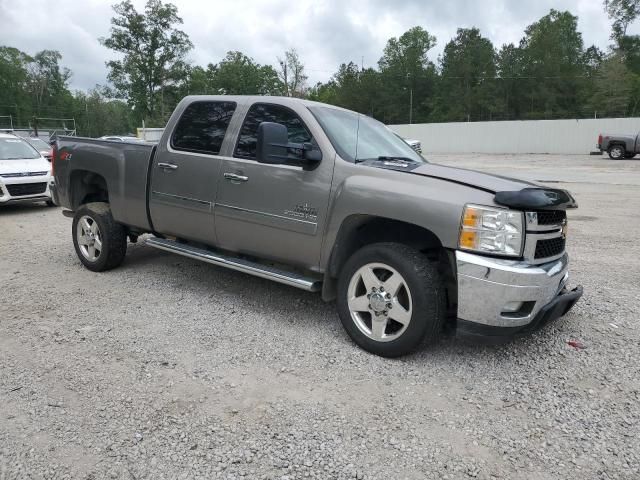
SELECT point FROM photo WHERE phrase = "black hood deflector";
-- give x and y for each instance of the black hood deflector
(537, 199)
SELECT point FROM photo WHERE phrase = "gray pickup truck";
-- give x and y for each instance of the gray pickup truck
(325, 199)
(619, 147)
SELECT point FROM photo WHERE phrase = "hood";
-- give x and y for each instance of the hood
(509, 192)
(24, 166)
(484, 181)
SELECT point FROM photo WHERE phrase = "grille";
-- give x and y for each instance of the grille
(25, 174)
(21, 189)
(551, 217)
(549, 247)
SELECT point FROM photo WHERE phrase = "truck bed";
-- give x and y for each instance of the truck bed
(123, 166)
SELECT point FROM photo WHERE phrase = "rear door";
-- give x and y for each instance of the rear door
(185, 171)
(273, 211)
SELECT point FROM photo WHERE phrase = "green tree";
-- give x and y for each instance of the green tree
(510, 87)
(292, 75)
(238, 74)
(48, 84)
(324, 92)
(98, 115)
(468, 71)
(407, 77)
(14, 81)
(154, 52)
(613, 86)
(623, 13)
(553, 66)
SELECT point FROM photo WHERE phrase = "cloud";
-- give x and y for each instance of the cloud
(325, 32)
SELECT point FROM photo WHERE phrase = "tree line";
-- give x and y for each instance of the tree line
(549, 74)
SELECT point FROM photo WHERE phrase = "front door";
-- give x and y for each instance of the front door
(273, 211)
(185, 170)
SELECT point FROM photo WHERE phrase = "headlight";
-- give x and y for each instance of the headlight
(491, 230)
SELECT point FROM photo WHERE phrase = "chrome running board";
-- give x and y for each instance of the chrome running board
(240, 264)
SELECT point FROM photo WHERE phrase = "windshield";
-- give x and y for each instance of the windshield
(39, 143)
(16, 149)
(357, 137)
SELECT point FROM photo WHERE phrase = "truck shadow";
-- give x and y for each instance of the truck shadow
(15, 209)
(297, 307)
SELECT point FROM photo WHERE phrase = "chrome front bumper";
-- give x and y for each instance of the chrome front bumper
(490, 289)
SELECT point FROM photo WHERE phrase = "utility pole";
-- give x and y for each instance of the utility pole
(410, 99)
(410, 106)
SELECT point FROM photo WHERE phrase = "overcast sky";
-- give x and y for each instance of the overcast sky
(325, 32)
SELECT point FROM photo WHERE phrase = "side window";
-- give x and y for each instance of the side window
(202, 127)
(261, 112)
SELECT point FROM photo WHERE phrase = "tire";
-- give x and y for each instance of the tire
(397, 320)
(100, 241)
(616, 152)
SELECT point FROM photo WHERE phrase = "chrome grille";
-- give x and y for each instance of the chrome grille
(545, 240)
(23, 174)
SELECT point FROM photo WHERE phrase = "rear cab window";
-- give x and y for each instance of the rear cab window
(202, 127)
(267, 112)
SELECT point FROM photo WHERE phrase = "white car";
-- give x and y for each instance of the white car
(415, 144)
(24, 173)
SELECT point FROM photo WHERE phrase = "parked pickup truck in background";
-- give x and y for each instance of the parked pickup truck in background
(619, 146)
(325, 199)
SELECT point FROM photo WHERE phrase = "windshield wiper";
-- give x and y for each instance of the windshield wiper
(402, 159)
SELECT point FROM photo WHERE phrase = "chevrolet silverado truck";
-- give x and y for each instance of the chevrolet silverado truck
(325, 199)
(619, 147)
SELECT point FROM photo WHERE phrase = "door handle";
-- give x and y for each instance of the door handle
(169, 166)
(234, 177)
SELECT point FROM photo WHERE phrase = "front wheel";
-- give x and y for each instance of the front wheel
(616, 152)
(100, 242)
(391, 299)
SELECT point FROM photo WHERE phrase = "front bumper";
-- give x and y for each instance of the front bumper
(498, 297)
(6, 183)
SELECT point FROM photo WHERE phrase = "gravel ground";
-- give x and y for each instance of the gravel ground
(167, 368)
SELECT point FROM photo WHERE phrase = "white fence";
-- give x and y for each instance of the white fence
(530, 136)
(150, 134)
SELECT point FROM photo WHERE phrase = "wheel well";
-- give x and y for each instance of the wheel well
(360, 230)
(88, 187)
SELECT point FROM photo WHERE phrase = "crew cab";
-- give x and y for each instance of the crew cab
(619, 147)
(326, 199)
(24, 173)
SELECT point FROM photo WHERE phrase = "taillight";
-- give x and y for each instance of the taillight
(54, 154)
(600, 139)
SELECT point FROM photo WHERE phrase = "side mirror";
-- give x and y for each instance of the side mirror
(272, 143)
(311, 153)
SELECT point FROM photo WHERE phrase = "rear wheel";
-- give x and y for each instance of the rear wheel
(100, 242)
(616, 152)
(391, 299)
